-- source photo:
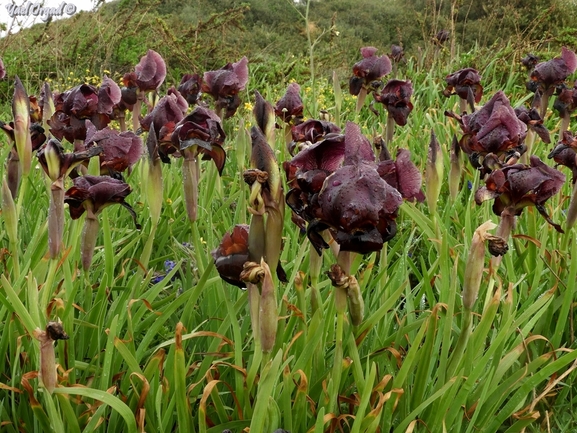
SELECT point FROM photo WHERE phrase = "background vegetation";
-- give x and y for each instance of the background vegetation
(194, 36)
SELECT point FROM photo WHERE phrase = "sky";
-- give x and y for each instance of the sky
(25, 15)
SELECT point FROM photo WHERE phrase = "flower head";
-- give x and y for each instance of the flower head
(150, 71)
(202, 128)
(403, 175)
(467, 84)
(311, 131)
(355, 203)
(189, 87)
(531, 118)
(120, 150)
(494, 129)
(290, 107)
(565, 153)
(369, 70)
(232, 253)
(396, 97)
(397, 53)
(225, 84)
(555, 71)
(518, 186)
(94, 193)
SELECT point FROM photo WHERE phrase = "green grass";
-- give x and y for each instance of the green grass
(179, 355)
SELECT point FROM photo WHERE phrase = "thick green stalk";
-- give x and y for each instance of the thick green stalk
(183, 410)
(190, 177)
(361, 100)
(137, 110)
(459, 349)
(89, 236)
(56, 218)
(10, 214)
(315, 264)
(390, 130)
(506, 225)
(572, 210)
(13, 171)
(268, 312)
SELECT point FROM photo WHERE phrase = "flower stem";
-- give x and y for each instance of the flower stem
(89, 236)
(23, 190)
(315, 264)
(190, 181)
(506, 224)
(10, 216)
(56, 219)
(254, 306)
(361, 100)
(390, 130)
(147, 251)
(47, 286)
(459, 350)
(530, 140)
(462, 105)
(137, 110)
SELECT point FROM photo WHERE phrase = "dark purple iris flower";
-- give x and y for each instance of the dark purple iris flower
(555, 71)
(547, 75)
(166, 114)
(311, 131)
(355, 203)
(565, 104)
(120, 150)
(494, 129)
(189, 88)
(403, 175)
(232, 253)
(531, 118)
(565, 153)
(530, 61)
(109, 95)
(396, 97)
(397, 53)
(91, 194)
(441, 37)
(290, 107)
(129, 92)
(94, 193)
(150, 71)
(467, 84)
(202, 128)
(517, 186)
(225, 84)
(306, 173)
(367, 73)
(81, 103)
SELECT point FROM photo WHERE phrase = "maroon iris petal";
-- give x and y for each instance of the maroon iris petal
(100, 190)
(290, 106)
(396, 97)
(150, 71)
(224, 85)
(556, 70)
(230, 256)
(464, 82)
(189, 87)
(120, 150)
(109, 95)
